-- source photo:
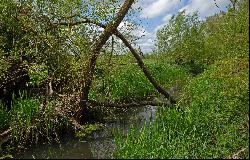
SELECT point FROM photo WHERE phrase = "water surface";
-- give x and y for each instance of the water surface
(100, 145)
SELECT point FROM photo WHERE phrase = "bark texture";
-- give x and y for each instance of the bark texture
(137, 56)
(144, 68)
(110, 29)
(95, 51)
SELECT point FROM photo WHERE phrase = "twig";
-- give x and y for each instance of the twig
(236, 155)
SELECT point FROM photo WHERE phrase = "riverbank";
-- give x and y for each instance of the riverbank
(98, 145)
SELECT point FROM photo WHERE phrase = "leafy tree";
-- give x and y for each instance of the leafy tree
(227, 33)
(183, 40)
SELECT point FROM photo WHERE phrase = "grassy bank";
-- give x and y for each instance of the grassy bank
(27, 123)
(124, 83)
(210, 120)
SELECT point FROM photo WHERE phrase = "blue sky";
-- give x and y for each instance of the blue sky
(157, 13)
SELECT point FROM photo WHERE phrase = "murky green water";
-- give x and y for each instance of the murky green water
(99, 146)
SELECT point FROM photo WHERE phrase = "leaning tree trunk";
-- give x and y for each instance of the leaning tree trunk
(146, 72)
(144, 68)
(95, 51)
(110, 29)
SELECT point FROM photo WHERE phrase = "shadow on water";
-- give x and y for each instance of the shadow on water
(100, 145)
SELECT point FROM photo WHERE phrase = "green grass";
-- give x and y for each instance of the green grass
(22, 112)
(26, 122)
(21, 115)
(128, 82)
(210, 120)
(4, 123)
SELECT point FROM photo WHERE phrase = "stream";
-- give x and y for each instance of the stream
(99, 146)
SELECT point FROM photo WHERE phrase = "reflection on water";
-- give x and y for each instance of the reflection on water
(100, 145)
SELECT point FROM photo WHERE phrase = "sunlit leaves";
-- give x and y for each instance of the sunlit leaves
(37, 73)
(182, 39)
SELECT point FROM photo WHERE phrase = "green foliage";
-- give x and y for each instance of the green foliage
(196, 44)
(37, 73)
(4, 123)
(210, 121)
(30, 34)
(26, 120)
(88, 129)
(168, 75)
(33, 38)
(128, 83)
(22, 114)
(183, 40)
(227, 33)
(211, 117)
(3, 66)
(6, 156)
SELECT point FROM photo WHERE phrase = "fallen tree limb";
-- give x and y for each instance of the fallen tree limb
(61, 113)
(126, 105)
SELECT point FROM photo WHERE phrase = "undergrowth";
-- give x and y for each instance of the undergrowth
(210, 121)
(128, 83)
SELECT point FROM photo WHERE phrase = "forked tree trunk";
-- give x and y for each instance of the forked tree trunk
(139, 60)
(110, 29)
(95, 51)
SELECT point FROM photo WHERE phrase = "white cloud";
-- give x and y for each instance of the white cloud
(167, 17)
(146, 40)
(164, 9)
(205, 7)
(165, 20)
(125, 26)
(152, 9)
(140, 32)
